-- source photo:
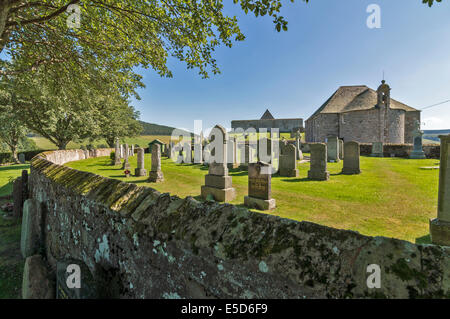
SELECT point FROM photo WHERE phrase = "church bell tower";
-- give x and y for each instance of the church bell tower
(383, 106)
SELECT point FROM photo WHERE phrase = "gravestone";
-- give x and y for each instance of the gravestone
(66, 281)
(198, 148)
(333, 149)
(117, 153)
(417, 152)
(377, 149)
(318, 169)
(36, 280)
(22, 158)
(341, 149)
(288, 161)
(140, 170)
(218, 184)
(259, 187)
(126, 164)
(156, 174)
(440, 226)
(121, 151)
(132, 150)
(31, 239)
(206, 155)
(231, 154)
(352, 158)
(17, 198)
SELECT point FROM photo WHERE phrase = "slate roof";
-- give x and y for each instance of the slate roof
(267, 116)
(356, 98)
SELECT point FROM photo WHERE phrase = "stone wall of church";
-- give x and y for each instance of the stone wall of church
(321, 126)
(396, 127)
(360, 126)
(410, 119)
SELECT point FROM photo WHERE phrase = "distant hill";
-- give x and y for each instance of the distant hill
(433, 135)
(155, 129)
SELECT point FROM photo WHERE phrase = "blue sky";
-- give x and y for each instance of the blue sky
(292, 73)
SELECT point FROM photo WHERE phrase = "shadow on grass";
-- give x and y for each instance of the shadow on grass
(14, 167)
(296, 180)
(424, 239)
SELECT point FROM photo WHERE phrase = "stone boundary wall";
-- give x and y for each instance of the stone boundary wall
(143, 244)
(398, 150)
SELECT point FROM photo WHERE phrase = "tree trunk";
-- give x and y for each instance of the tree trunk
(111, 142)
(14, 154)
(62, 145)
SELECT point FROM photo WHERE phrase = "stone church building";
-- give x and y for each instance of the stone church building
(359, 113)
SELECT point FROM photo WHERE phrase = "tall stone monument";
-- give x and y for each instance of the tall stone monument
(417, 152)
(156, 174)
(288, 161)
(440, 226)
(341, 149)
(377, 149)
(198, 148)
(140, 170)
(259, 187)
(126, 164)
(22, 158)
(117, 153)
(318, 170)
(352, 158)
(333, 149)
(217, 182)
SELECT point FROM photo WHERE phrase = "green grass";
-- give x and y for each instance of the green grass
(11, 263)
(392, 197)
(7, 175)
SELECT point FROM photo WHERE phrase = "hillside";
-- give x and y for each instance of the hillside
(155, 129)
(433, 135)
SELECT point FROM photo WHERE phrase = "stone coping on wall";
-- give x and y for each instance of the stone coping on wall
(222, 250)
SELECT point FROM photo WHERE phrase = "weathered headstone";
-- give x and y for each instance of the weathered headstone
(121, 151)
(217, 182)
(333, 149)
(198, 148)
(377, 149)
(22, 158)
(440, 226)
(231, 154)
(74, 280)
(288, 161)
(140, 170)
(17, 198)
(36, 281)
(132, 150)
(156, 174)
(318, 169)
(117, 153)
(126, 164)
(31, 234)
(352, 158)
(417, 152)
(259, 187)
(341, 149)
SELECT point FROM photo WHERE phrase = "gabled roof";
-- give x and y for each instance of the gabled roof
(356, 98)
(267, 116)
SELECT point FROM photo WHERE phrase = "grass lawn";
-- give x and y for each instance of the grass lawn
(392, 197)
(11, 262)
